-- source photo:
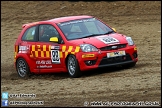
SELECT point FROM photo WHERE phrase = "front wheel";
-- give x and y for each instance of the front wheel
(73, 67)
(22, 68)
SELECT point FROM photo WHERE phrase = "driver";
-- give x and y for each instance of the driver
(66, 30)
(43, 33)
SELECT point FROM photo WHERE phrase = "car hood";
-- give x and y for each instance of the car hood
(102, 40)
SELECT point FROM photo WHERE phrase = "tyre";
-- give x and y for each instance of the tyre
(73, 67)
(22, 68)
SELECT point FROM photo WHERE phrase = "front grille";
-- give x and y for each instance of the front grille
(113, 47)
(114, 60)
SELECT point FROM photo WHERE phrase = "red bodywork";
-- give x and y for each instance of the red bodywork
(38, 53)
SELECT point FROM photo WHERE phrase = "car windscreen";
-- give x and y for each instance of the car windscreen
(83, 28)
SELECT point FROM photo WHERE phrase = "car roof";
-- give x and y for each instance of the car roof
(68, 18)
(59, 20)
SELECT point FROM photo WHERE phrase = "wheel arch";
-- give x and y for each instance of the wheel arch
(77, 71)
(26, 59)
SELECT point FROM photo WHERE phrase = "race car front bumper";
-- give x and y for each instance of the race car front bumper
(92, 60)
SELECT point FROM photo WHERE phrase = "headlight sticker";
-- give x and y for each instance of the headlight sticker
(108, 40)
(87, 55)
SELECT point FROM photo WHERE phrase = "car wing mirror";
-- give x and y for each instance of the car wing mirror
(53, 39)
(114, 29)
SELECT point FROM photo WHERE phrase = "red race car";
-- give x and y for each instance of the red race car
(71, 44)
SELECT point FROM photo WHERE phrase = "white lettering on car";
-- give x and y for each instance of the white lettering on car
(77, 21)
(23, 49)
(43, 62)
(44, 66)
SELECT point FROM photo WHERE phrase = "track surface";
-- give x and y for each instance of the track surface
(141, 20)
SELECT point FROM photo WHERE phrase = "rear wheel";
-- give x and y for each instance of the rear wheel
(73, 67)
(22, 68)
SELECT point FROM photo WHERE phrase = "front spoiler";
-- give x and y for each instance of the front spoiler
(121, 63)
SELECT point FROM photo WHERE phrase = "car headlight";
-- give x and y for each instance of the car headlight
(130, 41)
(88, 48)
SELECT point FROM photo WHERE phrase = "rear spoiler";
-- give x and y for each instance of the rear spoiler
(23, 26)
(29, 24)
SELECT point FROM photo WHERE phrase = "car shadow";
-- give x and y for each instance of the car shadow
(102, 70)
(50, 76)
(65, 75)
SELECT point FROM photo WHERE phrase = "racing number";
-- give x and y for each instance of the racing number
(55, 56)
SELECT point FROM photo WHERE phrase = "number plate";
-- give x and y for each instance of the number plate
(114, 54)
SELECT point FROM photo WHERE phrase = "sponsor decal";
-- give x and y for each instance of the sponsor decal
(77, 21)
(115, 54)
(55, 47)
(87, 55)
(23, 49)
(44, 66)
(43, 62)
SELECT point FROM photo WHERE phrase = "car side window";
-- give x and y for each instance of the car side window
(29, 34)
(46, 32)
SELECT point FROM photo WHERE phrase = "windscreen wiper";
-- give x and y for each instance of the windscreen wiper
(91, 35)
(109, 32)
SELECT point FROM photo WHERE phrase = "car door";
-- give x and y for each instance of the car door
(25, 45)
(48, 53)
